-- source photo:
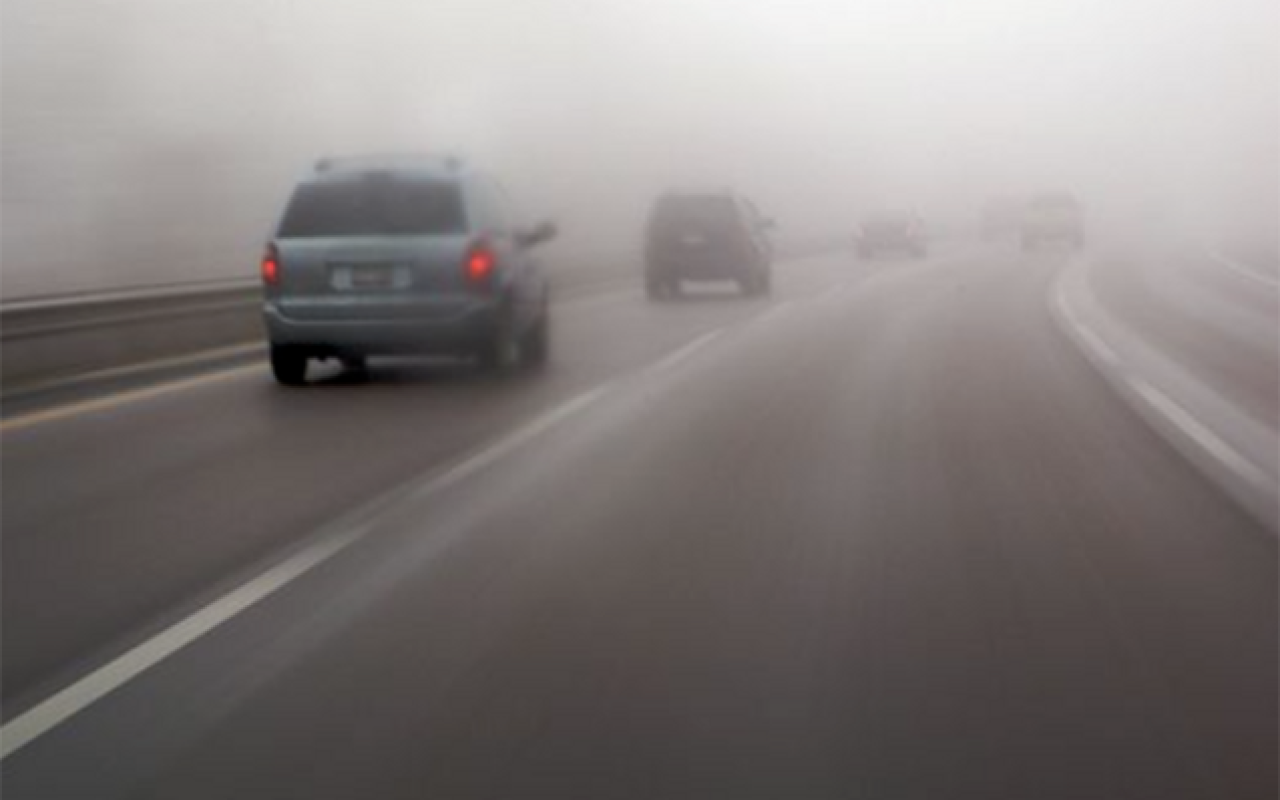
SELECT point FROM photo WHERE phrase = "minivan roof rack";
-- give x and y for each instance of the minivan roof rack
(388, 160)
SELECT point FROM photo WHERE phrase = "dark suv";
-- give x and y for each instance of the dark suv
(402, 254)
(707, 236)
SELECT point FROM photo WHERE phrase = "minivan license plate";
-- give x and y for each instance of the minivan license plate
(371, 276)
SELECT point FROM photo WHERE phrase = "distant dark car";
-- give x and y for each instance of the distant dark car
(900, 231)
(707, 236)
(417, 254)
(1052, 218)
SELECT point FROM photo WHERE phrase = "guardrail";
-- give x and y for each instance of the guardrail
(46, 341)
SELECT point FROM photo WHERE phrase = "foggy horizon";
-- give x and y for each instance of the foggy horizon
(1164, 114)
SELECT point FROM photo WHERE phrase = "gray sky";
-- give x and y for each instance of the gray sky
(151, 140)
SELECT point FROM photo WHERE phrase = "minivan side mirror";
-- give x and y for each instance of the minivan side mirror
(538, 234)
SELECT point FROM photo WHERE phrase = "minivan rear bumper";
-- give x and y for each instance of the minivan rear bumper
(457, 334)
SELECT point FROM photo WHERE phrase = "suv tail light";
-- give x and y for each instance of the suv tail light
(271, 266)
(480, 264)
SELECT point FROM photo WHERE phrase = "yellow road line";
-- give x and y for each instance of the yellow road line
(121, 399)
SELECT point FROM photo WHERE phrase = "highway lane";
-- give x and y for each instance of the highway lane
(891, 540)
(116, 521)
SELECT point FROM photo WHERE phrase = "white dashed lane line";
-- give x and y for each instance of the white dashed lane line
(61, 706)
(57, 709)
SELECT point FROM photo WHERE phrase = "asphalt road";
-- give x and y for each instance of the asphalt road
(887, 535)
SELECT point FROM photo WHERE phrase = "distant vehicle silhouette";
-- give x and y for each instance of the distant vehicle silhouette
(707, 236)
(894, 230)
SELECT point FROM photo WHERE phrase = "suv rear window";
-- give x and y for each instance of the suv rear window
(375, 205)
(713, 213)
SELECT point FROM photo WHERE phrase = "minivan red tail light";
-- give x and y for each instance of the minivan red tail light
(271, 266)
(480, 264)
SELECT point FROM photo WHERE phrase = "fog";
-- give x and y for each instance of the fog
(149, 141)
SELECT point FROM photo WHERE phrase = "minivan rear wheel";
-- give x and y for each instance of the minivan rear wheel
(289, 365)
(355, 363)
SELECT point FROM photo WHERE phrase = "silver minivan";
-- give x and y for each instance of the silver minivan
(402, 254)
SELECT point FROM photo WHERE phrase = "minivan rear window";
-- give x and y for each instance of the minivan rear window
(375, 205)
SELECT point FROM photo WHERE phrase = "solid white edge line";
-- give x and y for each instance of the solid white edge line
(1093, 342)
(1100, 348)
(1103, 349)
(1164, 405)
(54, 710)
(1242, 270)
(1209, 441)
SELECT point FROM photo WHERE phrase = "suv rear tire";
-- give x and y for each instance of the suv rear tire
(289, 365)
(501, 348)
(536, 344)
